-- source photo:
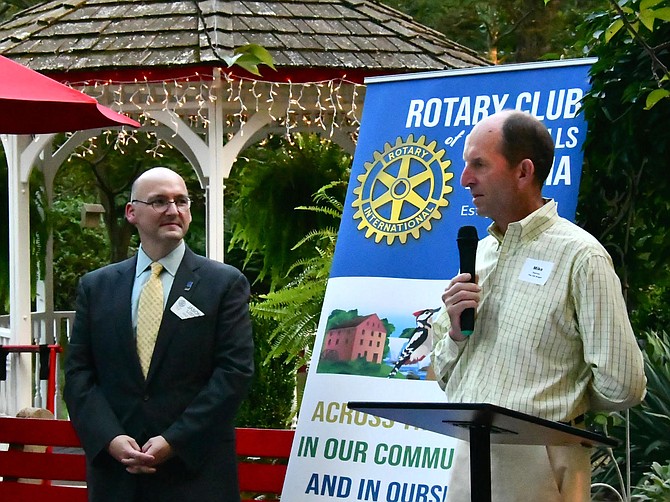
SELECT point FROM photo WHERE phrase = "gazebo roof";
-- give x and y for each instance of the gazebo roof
(307, 38)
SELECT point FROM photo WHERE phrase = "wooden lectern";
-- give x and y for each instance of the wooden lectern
(482, 424)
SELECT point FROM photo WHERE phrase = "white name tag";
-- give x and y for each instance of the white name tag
(185, 309)
(536, 271)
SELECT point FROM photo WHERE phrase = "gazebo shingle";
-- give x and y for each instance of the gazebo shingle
(333, 35)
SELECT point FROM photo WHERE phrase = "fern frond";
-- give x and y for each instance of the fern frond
(327, 234)
(330, 211)
(296, 307)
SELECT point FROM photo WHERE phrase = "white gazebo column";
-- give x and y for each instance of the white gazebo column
(20, 321)
(220, 162)
(223, 158)
(214, 172)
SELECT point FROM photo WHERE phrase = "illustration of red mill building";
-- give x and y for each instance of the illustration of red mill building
(360, 337)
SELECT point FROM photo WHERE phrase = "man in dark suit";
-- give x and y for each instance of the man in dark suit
(160, 431)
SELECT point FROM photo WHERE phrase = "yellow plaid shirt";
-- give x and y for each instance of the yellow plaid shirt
(552, 336)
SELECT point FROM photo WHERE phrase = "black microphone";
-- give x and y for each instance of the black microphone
(467, 249)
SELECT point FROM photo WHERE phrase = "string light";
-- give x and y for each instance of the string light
(271, 100)
(190, 99)
(155, 151)
(202, 102)
(353, 111)
(118, 96)
(287, 117)
(242, 114)
(257, 95)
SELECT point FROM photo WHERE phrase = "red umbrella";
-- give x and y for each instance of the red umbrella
(31, 103)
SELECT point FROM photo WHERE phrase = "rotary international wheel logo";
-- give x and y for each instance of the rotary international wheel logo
(402, 190)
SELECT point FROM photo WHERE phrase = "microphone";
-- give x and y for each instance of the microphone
(467, 249)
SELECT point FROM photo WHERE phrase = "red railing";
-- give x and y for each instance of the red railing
(47, 355)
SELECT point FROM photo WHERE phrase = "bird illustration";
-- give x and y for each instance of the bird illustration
(417, 348)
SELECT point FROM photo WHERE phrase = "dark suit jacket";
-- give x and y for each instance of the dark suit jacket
(200, 371)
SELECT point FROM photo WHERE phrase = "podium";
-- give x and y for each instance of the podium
(482, 424)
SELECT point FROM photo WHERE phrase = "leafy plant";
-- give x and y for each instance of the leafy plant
(623, 196)
(39, 221)
(297, 306)
(270, 400)
(656, 484)
(273, 179)
(649, 421)
(249, 57)
(507, 31)
(635, 18)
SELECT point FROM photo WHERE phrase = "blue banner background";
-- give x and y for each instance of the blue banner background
(392, 109)
(395, 178)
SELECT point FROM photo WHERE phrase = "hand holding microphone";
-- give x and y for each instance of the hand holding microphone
(462, 295)
(467, 250)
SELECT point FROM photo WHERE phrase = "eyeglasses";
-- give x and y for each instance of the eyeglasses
(161, 204)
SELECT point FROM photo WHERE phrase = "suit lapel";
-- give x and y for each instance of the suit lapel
(185, 283)
(124, 320)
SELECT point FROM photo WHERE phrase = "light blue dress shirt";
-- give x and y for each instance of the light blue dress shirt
(170, 264)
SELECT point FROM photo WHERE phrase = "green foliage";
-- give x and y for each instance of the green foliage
(10, 7)
(407, 333)
(623, 197)
(99, 173)
(655, 485)
(649, 421)
(249, 57)
(634, 15)
(270, 400)
(638, 20)
(623, 202)
(76, 250)
(297, 306)
(39, 222)
(266, 187)
(507, 31)
(338, 317)
(390, 328)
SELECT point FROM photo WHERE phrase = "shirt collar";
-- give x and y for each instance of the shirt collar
(170, 261)
(529, 227)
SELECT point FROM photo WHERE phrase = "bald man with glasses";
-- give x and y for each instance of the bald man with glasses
(160, 357)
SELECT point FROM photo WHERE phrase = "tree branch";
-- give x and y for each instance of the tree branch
(656, 63)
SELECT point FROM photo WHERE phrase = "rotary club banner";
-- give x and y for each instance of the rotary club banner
(396, 252)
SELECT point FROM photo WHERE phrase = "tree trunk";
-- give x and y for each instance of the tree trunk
(533, 34)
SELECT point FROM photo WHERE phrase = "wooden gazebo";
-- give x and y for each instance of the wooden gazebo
(163, 63)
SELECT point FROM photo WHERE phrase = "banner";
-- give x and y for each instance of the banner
(396, 252)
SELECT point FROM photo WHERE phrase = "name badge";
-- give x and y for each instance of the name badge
(536, 271)
(185, 309)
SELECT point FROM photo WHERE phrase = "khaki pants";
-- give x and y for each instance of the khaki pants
(521, 473)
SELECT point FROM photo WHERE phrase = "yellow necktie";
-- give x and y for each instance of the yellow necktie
(149, 315)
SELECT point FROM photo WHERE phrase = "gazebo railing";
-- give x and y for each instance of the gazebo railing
(48, 329)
